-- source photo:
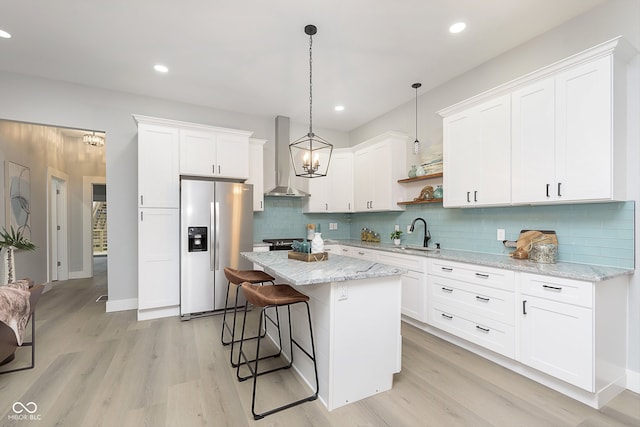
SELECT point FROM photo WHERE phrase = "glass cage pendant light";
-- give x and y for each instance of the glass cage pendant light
(416, 143)
(310, 154)
(93, 139)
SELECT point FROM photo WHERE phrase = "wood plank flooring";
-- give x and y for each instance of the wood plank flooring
(106, 369)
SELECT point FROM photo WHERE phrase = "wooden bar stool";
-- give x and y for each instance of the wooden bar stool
(267, 297)
(236, 277)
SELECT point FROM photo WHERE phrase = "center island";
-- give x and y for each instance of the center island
(355, 312)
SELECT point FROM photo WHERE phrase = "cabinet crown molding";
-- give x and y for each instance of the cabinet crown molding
(617, 46)
(402, 137)
(140, 119)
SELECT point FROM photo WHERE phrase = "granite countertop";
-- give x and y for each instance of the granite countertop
(336, 269)
(592, 273)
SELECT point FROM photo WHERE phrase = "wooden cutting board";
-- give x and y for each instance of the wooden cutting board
(529, 237)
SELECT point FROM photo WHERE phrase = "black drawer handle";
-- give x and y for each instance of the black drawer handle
(447, 269)
(524, 307)
(482, 276)
(483, 299)
(552, 288)
(480, 328)
(449, 290)
(446, 316)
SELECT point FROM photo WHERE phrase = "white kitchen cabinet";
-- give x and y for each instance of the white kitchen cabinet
(158, 175)
(473, 302)
(477, 153)
(564, 148)
(256, 172)
(214, 153)
(334, 192)
(158, 262)
(414, 282)
(574, 330)
(368, 254)
(378, 165)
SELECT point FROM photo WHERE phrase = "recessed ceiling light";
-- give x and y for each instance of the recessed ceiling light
(339, 108)
(161, 68)
(4, 34)
(457, 27)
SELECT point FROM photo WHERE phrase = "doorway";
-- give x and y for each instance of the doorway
(58, 259)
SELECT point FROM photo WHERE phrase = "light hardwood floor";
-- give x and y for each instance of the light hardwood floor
(106, 369)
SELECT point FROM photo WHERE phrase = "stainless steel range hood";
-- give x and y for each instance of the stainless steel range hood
(283, 162)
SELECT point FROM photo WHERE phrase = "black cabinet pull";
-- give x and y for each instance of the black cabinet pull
(468, 197)
(483, 299)
(447, 269)
(548, 185)
(552, 288)
(446, 316)
(475, 196)
(524, 307)
(559, 184)
(449, 290)
(141, 200)
(486, 330)
(482, 276)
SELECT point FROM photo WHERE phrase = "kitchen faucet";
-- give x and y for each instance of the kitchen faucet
(427, 235)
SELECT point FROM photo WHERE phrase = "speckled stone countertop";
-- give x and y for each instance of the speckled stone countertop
(591, 273)
(336, 269)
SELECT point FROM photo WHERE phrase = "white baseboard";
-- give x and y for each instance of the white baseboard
(633, 381)
(122, 304)
(158, 313)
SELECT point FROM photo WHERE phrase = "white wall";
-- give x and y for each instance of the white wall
(611, 19)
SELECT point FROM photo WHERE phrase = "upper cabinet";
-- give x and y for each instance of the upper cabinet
(256, 172)
(552, 136)
(564, 141)
(334, 192)
(214, 152)
(473, 140)
(158, 175)
(378, 164)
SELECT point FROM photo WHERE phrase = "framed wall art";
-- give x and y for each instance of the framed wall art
(18, 198)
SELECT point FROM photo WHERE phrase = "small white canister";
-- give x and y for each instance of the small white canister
(544, 253)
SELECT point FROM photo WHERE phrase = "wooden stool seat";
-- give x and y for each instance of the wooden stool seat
(263, 296)
(252, 276)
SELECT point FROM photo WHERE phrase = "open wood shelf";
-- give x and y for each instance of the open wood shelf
(421, 202)
(420, 178)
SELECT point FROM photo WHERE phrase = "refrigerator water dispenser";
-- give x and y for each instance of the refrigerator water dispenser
(197, 239)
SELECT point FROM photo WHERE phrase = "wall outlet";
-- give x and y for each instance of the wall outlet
(396, 227)
(333, 226)
(500, 235)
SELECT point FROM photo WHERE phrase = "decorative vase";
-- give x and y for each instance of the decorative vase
(396, 242)
(317, 244)
(420, 171)
(437, 193)
(7, 265)
(412, 171)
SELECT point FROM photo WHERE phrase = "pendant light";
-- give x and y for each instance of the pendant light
(416, 143)
(93, 139)
(310, 154)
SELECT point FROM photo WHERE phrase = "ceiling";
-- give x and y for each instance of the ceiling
(251, 56)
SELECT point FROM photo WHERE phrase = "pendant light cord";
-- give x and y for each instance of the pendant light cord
(310, 86)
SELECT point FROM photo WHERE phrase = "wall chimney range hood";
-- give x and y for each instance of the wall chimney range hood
(283, 162)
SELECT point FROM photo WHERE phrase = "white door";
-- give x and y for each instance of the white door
(58, 242)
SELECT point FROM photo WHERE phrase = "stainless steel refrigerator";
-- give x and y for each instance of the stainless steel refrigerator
(216, 224)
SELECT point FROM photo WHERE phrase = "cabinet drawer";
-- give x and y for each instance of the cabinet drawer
(344, 250)
(409, 262)
(363, 253)
(484, 301)
(484, 332)
(486, 276)
(568, 291)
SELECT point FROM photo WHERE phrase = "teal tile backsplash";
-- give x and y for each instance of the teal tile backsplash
(598, 233)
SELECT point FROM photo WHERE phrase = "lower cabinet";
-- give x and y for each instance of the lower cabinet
(473, 302)
(158, 263)
(574, 330)
(414, 283)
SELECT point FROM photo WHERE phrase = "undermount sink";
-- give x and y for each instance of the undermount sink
(419, 248)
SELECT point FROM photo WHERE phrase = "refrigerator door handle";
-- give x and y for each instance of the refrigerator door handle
(212, 238)
(217, 237)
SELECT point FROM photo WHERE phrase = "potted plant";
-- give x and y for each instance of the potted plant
(395, 236)
(9, 242)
